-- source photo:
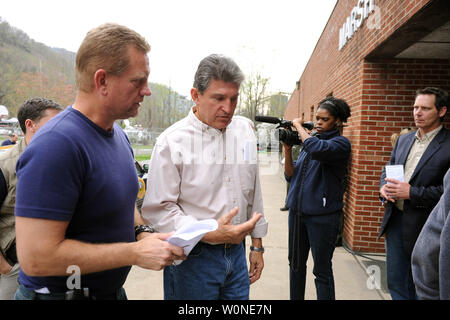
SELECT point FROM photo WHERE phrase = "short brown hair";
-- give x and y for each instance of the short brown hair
(34, 109)
(106, 47)
(441, 98)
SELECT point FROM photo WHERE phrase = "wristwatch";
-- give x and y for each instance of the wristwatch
(142, 228)
(252, 248)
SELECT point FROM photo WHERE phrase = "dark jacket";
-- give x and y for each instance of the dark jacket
(323, 182)
(426, 184)
(431, 255)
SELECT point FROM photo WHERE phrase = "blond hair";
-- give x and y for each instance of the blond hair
(395, 136)
(106, 47)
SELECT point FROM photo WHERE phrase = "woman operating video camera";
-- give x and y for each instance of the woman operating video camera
(315, 197)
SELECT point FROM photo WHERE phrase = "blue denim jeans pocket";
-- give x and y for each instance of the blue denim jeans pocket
(209, 273)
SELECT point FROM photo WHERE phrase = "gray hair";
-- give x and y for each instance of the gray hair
(217, 67)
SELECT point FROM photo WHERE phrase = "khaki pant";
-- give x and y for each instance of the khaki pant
(9, 283)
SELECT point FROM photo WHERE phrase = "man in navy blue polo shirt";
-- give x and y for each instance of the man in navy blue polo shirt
(77, 184)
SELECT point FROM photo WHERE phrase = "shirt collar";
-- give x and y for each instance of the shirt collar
(203, 126)
(328, 134)
(428, 136)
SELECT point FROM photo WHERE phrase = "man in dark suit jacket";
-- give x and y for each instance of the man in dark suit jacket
(425, 155)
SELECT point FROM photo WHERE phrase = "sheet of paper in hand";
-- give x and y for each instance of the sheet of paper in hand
(188, 236)
(395, 172)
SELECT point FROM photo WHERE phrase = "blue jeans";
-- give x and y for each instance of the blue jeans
(27, 294)
(398, 262)
(318, 233)
(211, 272)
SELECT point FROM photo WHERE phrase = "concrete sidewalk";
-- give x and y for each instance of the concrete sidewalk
(356, 277)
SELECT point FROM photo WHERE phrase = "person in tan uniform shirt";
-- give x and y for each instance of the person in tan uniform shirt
(33, 114)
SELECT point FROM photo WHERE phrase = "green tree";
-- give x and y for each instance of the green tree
(163, 108)
(29, 69)
(277, 105)
(252, 94)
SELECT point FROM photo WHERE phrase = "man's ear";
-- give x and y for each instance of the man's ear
(194, 95)
(100, 82)
(29, 125)
(442, 112)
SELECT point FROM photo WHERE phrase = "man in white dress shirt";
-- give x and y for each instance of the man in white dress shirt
(205, 167)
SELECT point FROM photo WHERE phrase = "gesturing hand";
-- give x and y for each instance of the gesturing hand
(228, 233)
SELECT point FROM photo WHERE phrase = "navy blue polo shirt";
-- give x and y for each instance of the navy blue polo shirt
(75, 171)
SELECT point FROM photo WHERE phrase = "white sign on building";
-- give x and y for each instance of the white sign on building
(359, 13)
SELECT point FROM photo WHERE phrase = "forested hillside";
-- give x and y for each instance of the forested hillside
(29, 68)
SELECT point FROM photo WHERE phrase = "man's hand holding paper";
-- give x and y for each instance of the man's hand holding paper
(188, 236)
(395, 188)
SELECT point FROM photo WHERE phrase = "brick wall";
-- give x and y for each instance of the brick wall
(380, 94)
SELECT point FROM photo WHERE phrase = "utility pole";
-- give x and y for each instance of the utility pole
(40, 75)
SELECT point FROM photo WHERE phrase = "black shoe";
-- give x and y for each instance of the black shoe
(284, 208)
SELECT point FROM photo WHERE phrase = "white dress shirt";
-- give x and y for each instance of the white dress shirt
(198, 172)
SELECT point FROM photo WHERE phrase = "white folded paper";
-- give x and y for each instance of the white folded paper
(395, 172)
(189, 235)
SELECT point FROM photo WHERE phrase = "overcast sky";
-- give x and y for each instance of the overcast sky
(272, 37)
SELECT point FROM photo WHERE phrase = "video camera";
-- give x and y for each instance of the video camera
(286, 135)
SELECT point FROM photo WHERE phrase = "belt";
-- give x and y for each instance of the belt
(85, 294)
(216, 245)
(76, 294)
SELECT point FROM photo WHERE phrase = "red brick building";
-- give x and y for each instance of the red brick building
(374, 54)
